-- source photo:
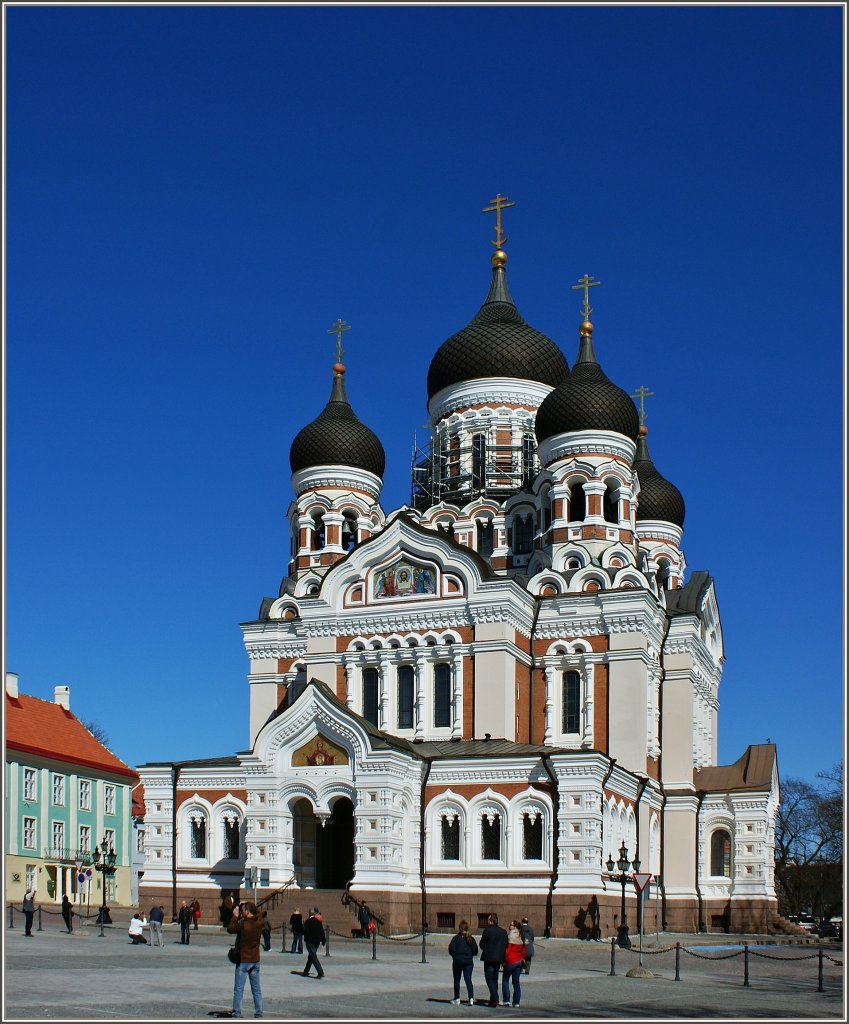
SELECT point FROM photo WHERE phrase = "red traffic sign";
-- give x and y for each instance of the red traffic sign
(641, 879)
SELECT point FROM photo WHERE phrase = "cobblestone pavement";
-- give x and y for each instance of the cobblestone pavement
(85, 977)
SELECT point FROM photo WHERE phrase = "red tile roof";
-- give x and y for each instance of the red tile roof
(138, 800)
(35, 726)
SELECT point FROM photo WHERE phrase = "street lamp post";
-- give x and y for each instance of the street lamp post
(622, 939)
(105, 864)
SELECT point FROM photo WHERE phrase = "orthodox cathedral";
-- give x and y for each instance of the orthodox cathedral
(500, 697)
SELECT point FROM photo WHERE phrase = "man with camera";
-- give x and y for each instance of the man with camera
(246, 924)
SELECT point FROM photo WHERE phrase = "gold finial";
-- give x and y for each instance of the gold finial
(338, 329)
(642, 393)
(498, 204)
(584, 284)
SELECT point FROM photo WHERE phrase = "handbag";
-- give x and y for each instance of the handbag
(234, 954)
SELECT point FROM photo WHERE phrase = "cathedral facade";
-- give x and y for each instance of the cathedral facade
(478, 701)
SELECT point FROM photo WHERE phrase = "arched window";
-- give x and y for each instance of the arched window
(442, 695)
(532, 835)
(545, 512)
(720, 854)
(370, 695)
(523, 534)
(198, 842)
(478, 460)
(318, 531)
(491, 836)
(231, 837)
(577, 503)
(571, 702)
(349, 531)
(405, 697)
(450, 838)
(664, 574)
(486, 538)
(610, 504)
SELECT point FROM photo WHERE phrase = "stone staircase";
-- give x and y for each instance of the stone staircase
(782, 926)
(334, 914)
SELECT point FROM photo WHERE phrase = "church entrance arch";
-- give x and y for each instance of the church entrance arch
(323, 854)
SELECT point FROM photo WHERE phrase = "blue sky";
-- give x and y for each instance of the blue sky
(195, 194)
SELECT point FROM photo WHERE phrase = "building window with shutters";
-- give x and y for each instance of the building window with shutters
(571, 702)
(370, 695)
(405, 697)
(442, 696)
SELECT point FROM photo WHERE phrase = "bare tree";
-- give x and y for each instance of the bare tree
(98, 732)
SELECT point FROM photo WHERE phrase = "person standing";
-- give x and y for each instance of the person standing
(226, 909)
(463, 949)
(28, 907)
(296, 923)
(513, 957)
(184, 918)
(247, 924)
(266, 931)
(529, 945)
(364, 920)
(156, 917)
(195, 907)
(67, 913)
(493, 949)
(314, 937)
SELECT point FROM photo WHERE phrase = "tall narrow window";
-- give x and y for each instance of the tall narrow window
(528, 460)
(85, 795)
(441, 695)
(198, 838)
(231, 838)
(545, 516)
(405, 697)
(486, 535)
(29, 784)
(532, 836)
(610, 504)
(370, 695)
(523, 534)
(571, 702)
(58, 836)
(85, 839)
(29, 834)
(720, 854)
(59, 790)
(108, 799)
(318, 531)
(450, 838)
(577, 503)
(478, 461)
(349, 532)
(491, 837)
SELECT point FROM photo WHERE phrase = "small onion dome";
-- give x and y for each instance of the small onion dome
(587, 399)
(337, 438)
(658, 499)
(497, 343)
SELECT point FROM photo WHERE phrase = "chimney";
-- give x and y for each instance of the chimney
(62, 696)
(12, 684)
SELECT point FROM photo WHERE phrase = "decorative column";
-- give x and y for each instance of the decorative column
(383, 694)
(589, 694)
(350, 682)
(457, 696)
(549, 703)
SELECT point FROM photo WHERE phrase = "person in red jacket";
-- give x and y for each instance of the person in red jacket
(513, 958)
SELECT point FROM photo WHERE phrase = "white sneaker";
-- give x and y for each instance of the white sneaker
(504, 1002)
(455, 1002)
(471, 1002)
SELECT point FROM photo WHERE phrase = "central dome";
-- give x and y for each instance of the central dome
(496, 343)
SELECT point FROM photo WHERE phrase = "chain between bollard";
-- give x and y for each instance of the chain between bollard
(612, 958)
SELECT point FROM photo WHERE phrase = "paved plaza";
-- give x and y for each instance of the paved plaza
(83, 976)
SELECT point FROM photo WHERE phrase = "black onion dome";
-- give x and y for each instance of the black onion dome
(658, 498)
(587, 400)
(337, 438)
(497, 343)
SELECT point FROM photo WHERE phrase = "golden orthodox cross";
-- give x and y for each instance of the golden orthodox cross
(642, 393)
(584, 284)
(498, 204)
(338, 328)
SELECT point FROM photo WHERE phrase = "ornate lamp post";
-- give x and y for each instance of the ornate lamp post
(105, 864)
(622, 939)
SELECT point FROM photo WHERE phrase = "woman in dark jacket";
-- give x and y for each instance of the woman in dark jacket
(463, 950)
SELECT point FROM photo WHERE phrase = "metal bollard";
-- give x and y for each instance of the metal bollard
(11, 916)
(374, 943)
(424, 942)
(612, 958)
(677, 961)
(100, 918)
(819, 984)
(40, 929)
(283, 938)
(327, 943)
(745, 965)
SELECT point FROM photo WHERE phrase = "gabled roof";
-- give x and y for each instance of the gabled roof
(751, 771)
(45, 729)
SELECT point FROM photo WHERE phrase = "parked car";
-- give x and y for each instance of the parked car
(805, 921)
